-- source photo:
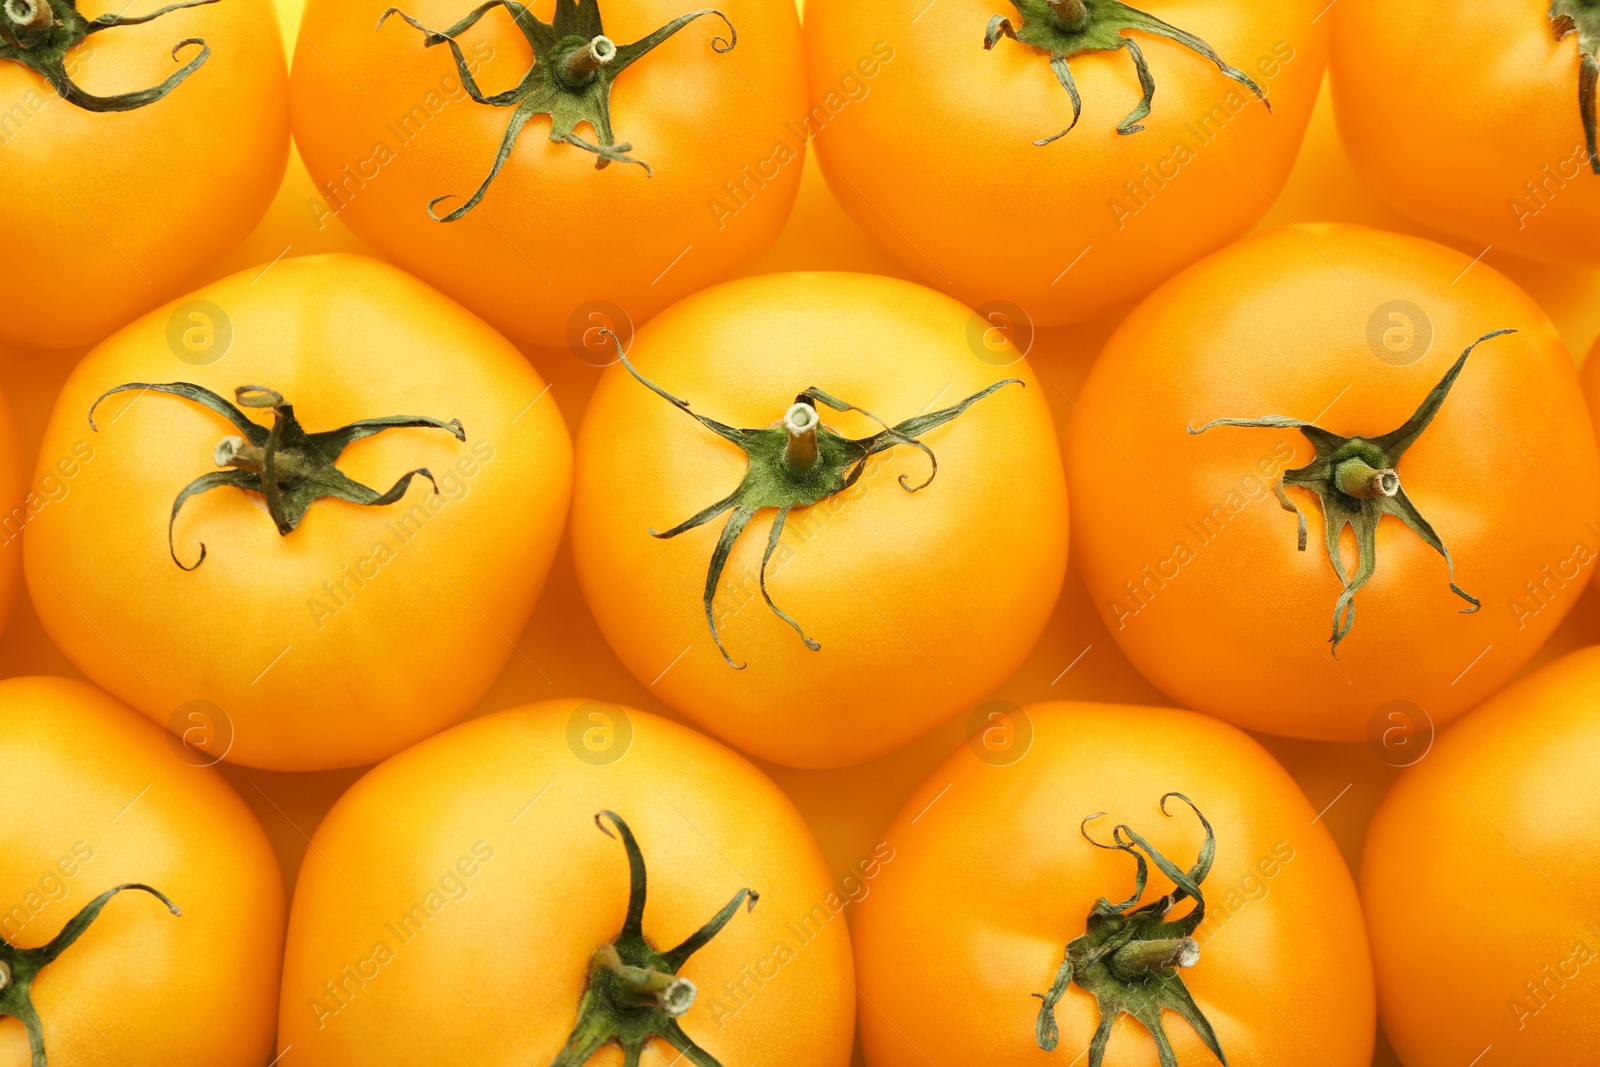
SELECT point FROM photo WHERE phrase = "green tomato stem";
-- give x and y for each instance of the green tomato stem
(1070, 14)
(646, 987)
(1135, 960)
(800, 452)
(581, 64)
(1356, 477)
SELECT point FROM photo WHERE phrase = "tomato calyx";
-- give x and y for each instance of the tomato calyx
(794, 463)
(1583, 18)
(634, 992)
(290, 468)
(570, 80)
(39, 34)
(20, 966)
(1066, 28)
(1355, 481)
(1129, 956)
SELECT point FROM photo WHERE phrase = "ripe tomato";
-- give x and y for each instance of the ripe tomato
(1193, 563)
(996, 871)
(950, 155)
(473, 886)
(910, 604)
(364, 629)
(114, 193)
(97, 801)
(709, 128)
(1498, 830)
(1536, 192)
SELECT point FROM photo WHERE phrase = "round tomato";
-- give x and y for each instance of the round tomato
(139, 146)
(1032, 171)
(489, 888)
(821, 588)
(352, 600)
(1497, 830)
(143, 917)
(1315, 381)
(672, 160)
(1507, 156)
(1008, 926)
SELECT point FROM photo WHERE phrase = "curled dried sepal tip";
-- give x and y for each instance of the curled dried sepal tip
(290, 468)
(39, 34)
(570, 80)
(1129, 956)
(1065, 28)
(1355, 481)
(797, 462)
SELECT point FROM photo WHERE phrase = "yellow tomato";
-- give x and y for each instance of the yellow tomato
(97, 798)
(460, 898)
(342, 639)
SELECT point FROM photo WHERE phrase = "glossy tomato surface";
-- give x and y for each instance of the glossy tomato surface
(105, 213)
(921, 602)
(365, 628)
(1498, 160)
(458, 892)
(1194, 565)
(1497, 831)
(97, 797)
(992, 878)
(387, 125)
(928, 140)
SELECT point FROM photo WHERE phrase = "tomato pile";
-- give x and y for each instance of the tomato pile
(917, 533)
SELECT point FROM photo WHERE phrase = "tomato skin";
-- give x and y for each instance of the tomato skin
(991, 879)
(1497, 830)
(16, 506)
(555, 234)
(1232, 619)
(1499, 159)
(92, 789)
(364, 629)
(922, 603)
(105, 214)
(511, 791)
(937, 160)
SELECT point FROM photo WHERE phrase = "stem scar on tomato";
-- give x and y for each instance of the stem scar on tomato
(20, 966)
(1129, 959)
(1355, 481)
(291, 468)
(570, 80)
(39, 34)
(1583, 18)
(1066, 28)
(796, 462)
(634, 992)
